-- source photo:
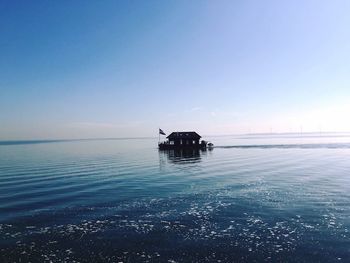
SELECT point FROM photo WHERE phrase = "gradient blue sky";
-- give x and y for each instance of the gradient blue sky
(78, 69)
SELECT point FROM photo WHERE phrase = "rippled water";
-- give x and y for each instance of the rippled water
(282, 198)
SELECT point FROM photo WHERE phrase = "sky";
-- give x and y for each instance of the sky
(96, 69)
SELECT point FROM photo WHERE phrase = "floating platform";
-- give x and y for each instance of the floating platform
(184, 140)
(167, 146)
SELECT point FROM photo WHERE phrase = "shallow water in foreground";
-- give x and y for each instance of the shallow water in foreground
(274, 198)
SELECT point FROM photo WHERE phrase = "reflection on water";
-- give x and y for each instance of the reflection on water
(182, 155)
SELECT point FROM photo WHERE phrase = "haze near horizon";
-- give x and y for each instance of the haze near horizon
(87, 69)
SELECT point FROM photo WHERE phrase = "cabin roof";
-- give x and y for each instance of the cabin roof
(184, 135)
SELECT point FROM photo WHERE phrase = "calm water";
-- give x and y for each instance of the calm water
(252, 198)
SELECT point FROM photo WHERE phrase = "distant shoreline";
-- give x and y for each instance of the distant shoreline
(242, 136)
(18, 142)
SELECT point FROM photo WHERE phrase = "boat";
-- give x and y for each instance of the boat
(184, 140)
(210, 145)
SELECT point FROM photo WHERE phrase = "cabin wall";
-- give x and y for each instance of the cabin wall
(185, 142)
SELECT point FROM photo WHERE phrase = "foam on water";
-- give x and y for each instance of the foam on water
(292, 146)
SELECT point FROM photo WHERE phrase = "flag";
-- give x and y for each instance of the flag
(161, 132)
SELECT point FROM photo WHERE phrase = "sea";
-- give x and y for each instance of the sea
(252, 198)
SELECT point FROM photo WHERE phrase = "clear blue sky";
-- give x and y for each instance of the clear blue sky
(78, 69)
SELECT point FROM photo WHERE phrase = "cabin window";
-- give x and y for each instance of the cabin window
(180, 141)
(187, 142)
(171, 142)
(193, 142)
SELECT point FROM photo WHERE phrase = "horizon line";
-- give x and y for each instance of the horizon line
(31, 141)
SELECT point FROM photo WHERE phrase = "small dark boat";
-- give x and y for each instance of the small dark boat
(183, 140)
(210, 145)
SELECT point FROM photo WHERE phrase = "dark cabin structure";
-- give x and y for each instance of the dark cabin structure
(180, 140)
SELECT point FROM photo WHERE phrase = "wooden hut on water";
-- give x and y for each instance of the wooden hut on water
(178, 140)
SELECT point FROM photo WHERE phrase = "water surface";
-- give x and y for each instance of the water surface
(252, 198)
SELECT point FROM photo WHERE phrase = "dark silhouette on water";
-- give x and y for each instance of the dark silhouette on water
(183, 155)
(183, 140)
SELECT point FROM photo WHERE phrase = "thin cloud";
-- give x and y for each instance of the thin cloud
(195, 109)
